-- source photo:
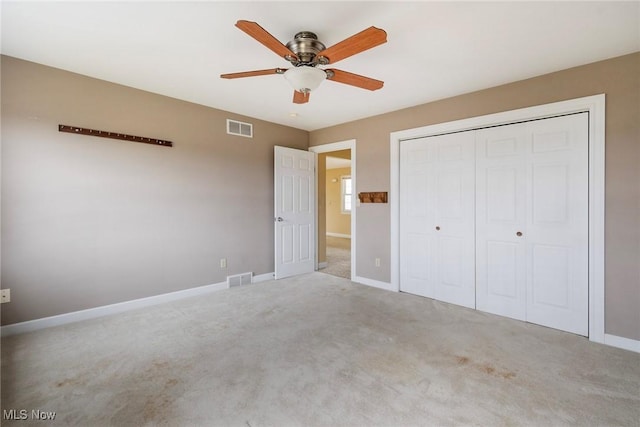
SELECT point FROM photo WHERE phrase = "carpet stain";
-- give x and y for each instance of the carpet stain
(81, 378)
(157, 406)
(157, 366)
(462, 360)
(74, 382)
(485, 368)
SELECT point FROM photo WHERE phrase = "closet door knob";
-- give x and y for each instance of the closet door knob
(437, 228)
(519, 233)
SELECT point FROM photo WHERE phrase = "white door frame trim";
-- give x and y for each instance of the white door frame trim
(595, 106)
(349, 144)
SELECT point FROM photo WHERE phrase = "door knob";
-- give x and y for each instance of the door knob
(279, 219)
(519, 233)
(437, 228)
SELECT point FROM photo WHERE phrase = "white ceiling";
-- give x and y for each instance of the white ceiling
(435, 50)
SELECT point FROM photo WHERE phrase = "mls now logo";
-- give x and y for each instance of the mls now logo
(23, 414)
(15, 414)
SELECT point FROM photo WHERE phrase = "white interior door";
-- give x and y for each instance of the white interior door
(294, 196)
(532, 222)
(437, 245)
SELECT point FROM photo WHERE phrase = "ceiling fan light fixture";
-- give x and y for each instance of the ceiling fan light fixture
(305, 78)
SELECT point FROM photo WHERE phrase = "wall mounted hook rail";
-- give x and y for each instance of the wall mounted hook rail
(114, 135)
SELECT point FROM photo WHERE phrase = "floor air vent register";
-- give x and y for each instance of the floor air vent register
(239, 280)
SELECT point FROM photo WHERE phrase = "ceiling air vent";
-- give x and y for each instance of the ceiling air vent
(239, 128)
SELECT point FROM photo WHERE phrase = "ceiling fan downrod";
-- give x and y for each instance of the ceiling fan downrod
(306, 46)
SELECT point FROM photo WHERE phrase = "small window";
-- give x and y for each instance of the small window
(346, 194)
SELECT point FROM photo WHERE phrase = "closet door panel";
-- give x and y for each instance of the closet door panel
(532, 222)
(437, 223)
(416, 243)
(500, 217)
(557, 227)
(455, 219)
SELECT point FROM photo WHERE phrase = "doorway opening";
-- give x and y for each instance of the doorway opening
(338, 204)
(336, 214)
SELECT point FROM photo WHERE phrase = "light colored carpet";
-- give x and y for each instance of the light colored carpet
(338, 257)
(316, 350)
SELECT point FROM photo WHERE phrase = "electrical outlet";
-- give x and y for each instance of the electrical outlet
(377, 262)
(5, 295)
(223, 263)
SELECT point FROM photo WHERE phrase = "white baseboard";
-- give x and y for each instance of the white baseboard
(344, 236)
(262, 277)
(375, 283)
(621, 342)
(322, 265)
(105, 310)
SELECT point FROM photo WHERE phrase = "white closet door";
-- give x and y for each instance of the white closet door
(437, 235)
(557, 224)
(532, 222)
(500, 216)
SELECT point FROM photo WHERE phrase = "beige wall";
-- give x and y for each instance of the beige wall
(618, 78)
(90, 221)
(337, 222)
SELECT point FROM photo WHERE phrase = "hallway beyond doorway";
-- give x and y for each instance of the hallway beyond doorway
(338, 257)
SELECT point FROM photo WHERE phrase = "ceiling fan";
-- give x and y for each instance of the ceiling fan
(305, 52)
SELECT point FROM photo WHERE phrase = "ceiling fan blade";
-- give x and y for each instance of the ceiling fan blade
(261, 35)
(354, 79)
(371, 37)
(253, 73)
(300, 98)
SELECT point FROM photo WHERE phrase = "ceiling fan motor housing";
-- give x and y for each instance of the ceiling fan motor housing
(306, 46)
